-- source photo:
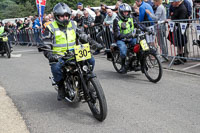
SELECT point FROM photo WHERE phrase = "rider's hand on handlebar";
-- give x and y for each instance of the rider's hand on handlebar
(54, 58)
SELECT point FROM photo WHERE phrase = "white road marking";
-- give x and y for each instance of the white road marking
(16, 55)
(24, 51)
(191, 67)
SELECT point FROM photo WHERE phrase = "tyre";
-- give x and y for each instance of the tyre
(152, 67)
(8, 51)
(97, 102)
(117, 60)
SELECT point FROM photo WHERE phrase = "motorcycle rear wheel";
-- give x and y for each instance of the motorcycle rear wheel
(117, 61)
(97, 102)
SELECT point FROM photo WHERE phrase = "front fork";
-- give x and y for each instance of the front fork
(83, 82)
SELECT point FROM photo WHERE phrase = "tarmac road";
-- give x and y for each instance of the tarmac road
(135, 105)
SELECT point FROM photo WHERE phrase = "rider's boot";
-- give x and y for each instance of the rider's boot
(123, 69)
(61, 91)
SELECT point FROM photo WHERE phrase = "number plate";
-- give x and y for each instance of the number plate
(144, 45)
(82, 52)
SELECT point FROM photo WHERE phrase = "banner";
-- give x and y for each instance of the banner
(183, 27)
(197, 27)
(171, 25)
(40, 6)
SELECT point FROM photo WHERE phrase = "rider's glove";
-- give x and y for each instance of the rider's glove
(53, 58)
(83, 37)
(129, 35)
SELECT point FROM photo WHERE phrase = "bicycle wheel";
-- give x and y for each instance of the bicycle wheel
(152, 67)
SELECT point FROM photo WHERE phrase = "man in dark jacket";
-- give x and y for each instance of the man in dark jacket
(180, 12)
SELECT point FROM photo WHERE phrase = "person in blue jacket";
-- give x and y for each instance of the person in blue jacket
(143, 16)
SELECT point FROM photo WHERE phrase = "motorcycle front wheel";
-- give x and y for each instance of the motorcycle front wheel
(152, 67)
(97, 102)
(8, 51)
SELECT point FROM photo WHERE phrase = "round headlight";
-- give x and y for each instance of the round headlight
(85, 68)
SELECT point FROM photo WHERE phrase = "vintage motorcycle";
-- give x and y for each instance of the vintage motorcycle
(141, 55)
(81, 84)
(4, 46)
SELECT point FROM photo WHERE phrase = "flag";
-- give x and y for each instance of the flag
(40, 6)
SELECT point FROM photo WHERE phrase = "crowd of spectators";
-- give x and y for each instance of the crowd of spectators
(147, 10)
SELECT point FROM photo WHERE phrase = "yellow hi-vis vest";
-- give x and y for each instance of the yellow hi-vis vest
(62, 42)
(129, 26)
(1, 30)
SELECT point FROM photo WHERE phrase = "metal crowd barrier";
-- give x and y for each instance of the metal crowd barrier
(29, 37)
(101, 34)
(168, 39)
(177, 35)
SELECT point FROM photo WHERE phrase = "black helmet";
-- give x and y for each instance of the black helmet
(61, 9)
(122, 8)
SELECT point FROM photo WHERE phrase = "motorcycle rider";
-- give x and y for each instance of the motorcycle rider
(123, 27)
(2, 30)
(61, 35)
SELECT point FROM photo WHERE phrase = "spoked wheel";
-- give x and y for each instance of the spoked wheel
(8, 51)
(97, 102)
(152, 67)
(117, 63)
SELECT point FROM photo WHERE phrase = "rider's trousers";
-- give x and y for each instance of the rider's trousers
(56, 69)
(123, 48)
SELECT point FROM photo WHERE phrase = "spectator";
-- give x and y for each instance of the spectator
(117, 6)
(149, 2)
(103, 10)
(142, 13)
(160, 15)
(180, 12)
(36, 26)
(20, 25)
(87, 20)
(135, 9)
(26, 24)
(99, 18)
(47, 22)
(110, 17)
(79, 18)
(36, 23)
(143, 16)
(80, 6)
(17, 23)
(188, 6)
(30, 22)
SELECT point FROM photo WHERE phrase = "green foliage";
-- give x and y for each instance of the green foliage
(24, 8)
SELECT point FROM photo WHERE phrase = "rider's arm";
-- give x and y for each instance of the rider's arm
(47, 39)
(138, 25)
(116, 29)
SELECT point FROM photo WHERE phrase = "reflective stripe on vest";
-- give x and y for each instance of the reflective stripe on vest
(62, 43)
(1, 30)
(129, 26)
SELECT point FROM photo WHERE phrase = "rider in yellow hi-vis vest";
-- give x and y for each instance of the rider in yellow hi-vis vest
(123, 27)
(59, 37)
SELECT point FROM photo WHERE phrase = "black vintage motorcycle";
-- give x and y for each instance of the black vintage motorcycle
(4, 46)
(142, 56)
(80, 82)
